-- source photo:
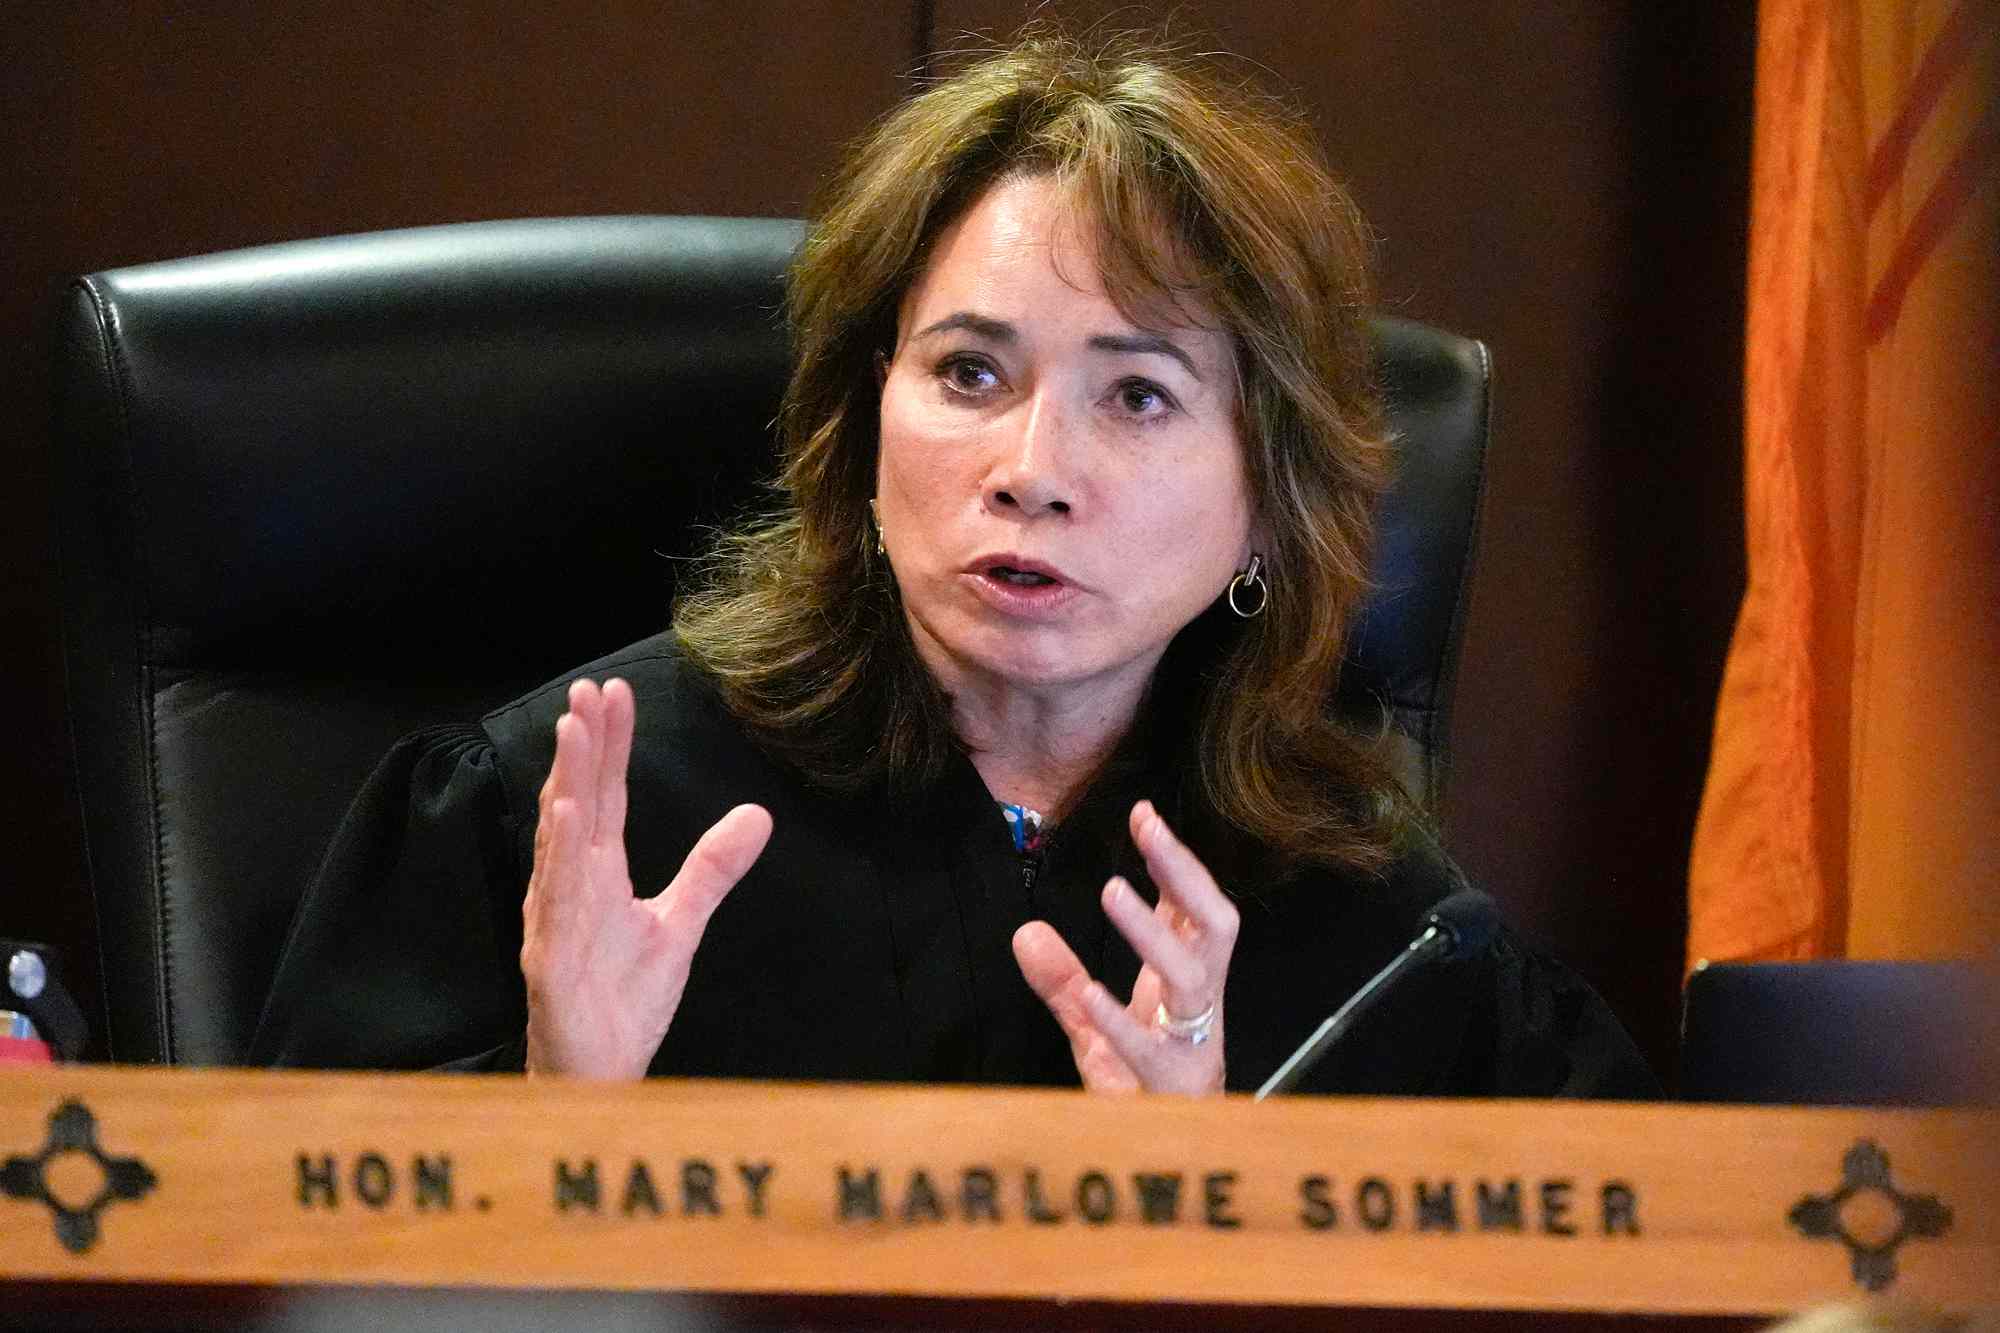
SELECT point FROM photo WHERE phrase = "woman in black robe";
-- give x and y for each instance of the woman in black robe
(1001, 745)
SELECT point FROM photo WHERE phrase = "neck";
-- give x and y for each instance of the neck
(1039, 748)
(1041, 759)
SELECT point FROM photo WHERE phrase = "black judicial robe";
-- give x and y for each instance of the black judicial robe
(871, 941)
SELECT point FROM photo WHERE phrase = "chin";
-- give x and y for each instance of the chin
(1029, 669)
(1033, 661)
(1007, 654)
(1026, 656)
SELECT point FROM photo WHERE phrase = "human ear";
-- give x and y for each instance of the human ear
(1256, 542)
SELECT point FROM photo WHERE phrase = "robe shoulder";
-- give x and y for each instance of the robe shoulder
(405, 942)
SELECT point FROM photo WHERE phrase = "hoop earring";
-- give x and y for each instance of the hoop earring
(1243, 583)
(875, 513)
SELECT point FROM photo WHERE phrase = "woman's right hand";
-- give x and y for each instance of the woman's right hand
(605, 970)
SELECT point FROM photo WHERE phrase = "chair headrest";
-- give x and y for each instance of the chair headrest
(329, 441)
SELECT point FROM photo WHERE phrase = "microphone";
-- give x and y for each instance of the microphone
(1458, 927)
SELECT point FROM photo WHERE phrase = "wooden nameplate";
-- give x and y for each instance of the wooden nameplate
(224, 1176)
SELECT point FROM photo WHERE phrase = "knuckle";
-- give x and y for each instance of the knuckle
(703, 871)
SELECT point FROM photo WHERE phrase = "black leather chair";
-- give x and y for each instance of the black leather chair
(316, 495)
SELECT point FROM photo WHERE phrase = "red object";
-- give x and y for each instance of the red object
(25, 1051)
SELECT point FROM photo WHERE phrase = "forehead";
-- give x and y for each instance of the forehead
(1027, 247)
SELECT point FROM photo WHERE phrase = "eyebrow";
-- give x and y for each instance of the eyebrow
(1145, 342)
(993, 330)
(1000, 331)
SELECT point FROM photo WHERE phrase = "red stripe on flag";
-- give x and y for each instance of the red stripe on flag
(1948, 50)
(1940, 208)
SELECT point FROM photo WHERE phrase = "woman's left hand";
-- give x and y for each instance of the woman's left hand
(1184, 943)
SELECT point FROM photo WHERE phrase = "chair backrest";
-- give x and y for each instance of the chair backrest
(317, 495)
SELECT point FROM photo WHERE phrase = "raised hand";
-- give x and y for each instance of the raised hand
(1168, 1037)
(605, 970)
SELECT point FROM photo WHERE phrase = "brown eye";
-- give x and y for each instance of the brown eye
(1143, 398)
(968, 374)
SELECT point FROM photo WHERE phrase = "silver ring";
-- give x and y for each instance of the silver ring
(1194, 1031)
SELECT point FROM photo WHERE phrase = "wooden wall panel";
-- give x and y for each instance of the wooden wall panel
(1570, 183)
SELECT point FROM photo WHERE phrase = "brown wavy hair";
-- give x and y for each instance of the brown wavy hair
(799, 622)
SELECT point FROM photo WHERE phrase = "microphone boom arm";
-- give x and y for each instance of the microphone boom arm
(1434, 941)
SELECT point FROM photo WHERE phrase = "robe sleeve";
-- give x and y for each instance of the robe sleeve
(1506, 1021)
(404, 951)
(1554, 1036)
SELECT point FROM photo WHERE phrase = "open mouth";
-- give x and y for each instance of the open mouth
(1020, 578)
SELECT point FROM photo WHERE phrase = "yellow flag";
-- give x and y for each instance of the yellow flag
(1853, 797)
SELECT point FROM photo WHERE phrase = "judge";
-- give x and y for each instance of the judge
(1000, 750)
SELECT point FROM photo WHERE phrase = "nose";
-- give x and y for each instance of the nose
(1031, 475)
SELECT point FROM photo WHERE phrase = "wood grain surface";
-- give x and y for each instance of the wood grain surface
(425, 1180)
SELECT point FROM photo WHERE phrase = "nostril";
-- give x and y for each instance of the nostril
(1004, 498)
(1060, 506)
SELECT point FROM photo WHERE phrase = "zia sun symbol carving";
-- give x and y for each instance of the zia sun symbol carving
(1869, 1215)
(74, 1176)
